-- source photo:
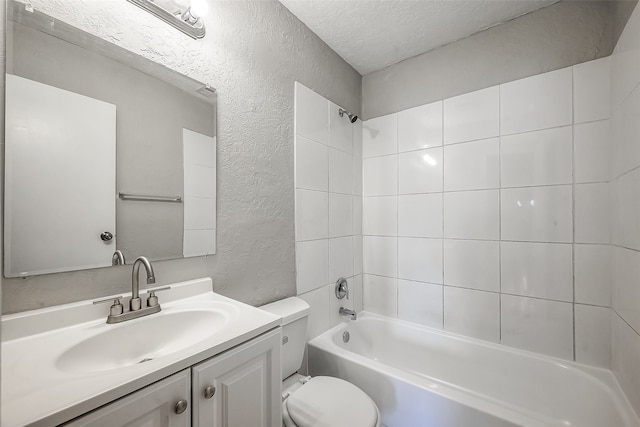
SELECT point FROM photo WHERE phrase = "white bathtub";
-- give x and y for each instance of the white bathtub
(425, 377)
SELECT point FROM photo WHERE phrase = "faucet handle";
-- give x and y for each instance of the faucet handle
(116, 308)
(152, 299)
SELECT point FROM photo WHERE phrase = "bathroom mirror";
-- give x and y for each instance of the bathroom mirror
(104, 151)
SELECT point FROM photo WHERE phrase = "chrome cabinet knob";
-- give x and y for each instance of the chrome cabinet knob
(106, 236)
(209, 392)
(181, 406)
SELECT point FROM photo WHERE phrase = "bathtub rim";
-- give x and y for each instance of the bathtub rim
(601, 376)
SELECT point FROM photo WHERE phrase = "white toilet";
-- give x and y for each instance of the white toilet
(318, 401)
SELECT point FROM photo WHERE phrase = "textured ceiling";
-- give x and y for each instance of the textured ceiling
(373, 34)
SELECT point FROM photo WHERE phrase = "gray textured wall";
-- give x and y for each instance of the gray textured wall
(564, 34)
(253, 53)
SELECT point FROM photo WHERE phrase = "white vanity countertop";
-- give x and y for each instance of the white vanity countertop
(41, 387)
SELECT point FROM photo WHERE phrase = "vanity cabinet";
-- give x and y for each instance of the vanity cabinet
(166, 403)
(240, 387)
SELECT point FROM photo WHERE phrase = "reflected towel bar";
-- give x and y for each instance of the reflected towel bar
(147, 198)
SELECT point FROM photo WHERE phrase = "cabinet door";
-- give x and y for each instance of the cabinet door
(153, 406)
(245, 386)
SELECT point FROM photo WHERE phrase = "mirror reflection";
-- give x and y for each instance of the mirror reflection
(105, 151)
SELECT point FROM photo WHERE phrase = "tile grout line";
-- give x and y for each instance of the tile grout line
(442, 199)
(500, 214)
(573, 211)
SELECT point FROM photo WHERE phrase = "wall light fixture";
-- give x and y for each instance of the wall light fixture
(184, 15)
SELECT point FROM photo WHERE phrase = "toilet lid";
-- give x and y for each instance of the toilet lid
(331, 402)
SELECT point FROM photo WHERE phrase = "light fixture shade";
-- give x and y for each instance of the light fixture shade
(177, 14)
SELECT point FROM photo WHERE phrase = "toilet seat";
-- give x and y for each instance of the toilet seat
(329, 402)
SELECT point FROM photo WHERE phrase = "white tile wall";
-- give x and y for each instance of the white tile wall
(420, 171)
(420, 259)
(472, 116)
(543, 270)
(537, 214)
(538, 102)
(328, 212)
(538, 325)
(472, 264)
(472, 215)
(507, 221)
(420, 127)
(472, 165)
(537, 158)
(472, 313)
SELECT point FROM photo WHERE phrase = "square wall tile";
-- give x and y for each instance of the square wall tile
(472, 165)
(357, 139)
(593, 274)
(420, 171)
(312, 265)
(381, 295)
(472, 313)
(356, 293)
(319, 301)
(340, 172)
(543, 270)
(538, 325)
(592, 151)
(380, 136)
(420, 215)
(625, 346)
(593, 335)
(356, 210)
(472, 264)
(311, 115)
(380, 255)
(312, 215)
(357, 175)
(539, 102)
(340, 258)
(472, 215)
(593, 206)
(625, 193)
(472, 116)
(312, 165)
(420, 127)
(625, 290)
(357, 254)
(340, 130)
(380, 216)
(541, 214)
(380, 176)
(420, 259)
(340, 215)
(420, 303)
(625, 126)
(537, 158)
(592, 90)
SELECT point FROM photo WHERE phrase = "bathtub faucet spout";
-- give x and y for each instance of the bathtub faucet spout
(346, 312)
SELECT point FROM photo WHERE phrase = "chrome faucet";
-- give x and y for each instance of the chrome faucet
(346, 312)
(116, 311)
(135, 303)
(117, 258)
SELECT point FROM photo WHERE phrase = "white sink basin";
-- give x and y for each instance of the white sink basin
(141, 340)
(64, 361)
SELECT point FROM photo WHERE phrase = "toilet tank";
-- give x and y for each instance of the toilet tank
(295, 313)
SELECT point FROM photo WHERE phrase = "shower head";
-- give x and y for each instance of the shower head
(352, 117)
